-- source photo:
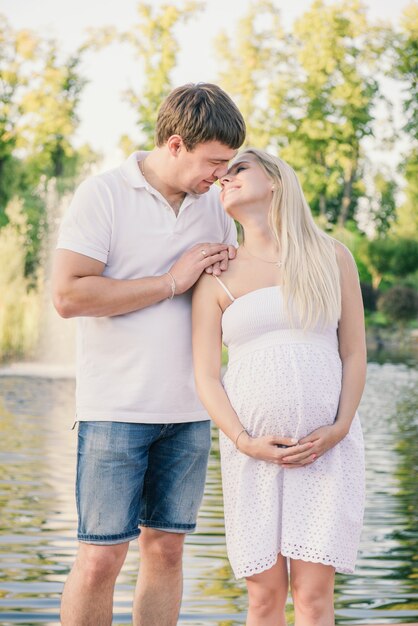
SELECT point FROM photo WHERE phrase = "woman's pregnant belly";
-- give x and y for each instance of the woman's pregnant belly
(286, 390)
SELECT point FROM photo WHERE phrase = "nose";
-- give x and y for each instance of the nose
(224, 179)
(221, 170)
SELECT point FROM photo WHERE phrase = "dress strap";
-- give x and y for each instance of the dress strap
(224, 287)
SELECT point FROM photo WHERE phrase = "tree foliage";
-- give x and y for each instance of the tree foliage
(20, 303)
(407, 213)
(399, 303)
(260, 44)
(406, 70)
(406, 66)
(155, 45)
(383, 203)
(18, 49)
(320, 96)
(308, 93)
(392, 257)
(39, 96)
(49, 116)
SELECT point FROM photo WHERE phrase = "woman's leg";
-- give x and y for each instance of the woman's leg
(267, 594)
(312, 586)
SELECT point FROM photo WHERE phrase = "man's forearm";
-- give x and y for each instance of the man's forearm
(100, 296)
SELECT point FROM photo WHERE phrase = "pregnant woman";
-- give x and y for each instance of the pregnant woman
(289, 309)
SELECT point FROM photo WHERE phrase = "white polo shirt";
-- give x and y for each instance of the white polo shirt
(138, 367)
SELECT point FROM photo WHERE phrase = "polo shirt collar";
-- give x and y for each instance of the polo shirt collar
(131, 172)
(133, 175)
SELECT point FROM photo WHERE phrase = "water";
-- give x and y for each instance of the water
(38, 520)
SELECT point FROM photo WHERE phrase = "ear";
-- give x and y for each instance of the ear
(175, 144)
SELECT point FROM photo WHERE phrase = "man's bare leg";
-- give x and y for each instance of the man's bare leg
(160, 583)
(87, 599)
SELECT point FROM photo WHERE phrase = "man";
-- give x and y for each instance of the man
(134, 242)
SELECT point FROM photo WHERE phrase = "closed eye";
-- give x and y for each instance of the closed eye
(235, 169)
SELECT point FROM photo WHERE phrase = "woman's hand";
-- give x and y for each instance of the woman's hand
(322, 439)
(268, 448)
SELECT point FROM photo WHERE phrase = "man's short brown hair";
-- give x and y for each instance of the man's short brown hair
(198, 113)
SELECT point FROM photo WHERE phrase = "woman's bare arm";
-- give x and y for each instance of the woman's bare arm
(351, 340)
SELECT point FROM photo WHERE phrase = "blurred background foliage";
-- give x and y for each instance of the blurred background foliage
(310, 94)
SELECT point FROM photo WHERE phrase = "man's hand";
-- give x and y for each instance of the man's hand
(188, 268)
(222, 265)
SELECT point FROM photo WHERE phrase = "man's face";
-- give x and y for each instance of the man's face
(199, 168)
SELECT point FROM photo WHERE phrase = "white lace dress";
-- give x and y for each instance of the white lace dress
(287, 382)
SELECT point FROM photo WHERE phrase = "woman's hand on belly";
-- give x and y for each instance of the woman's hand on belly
(273, 449)
(322, 439)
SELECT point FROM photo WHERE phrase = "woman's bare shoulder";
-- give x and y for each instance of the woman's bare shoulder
(345, 258)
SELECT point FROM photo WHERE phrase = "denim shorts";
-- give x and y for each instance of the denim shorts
(131, 475)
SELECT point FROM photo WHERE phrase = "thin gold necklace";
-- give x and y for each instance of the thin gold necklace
(176, 206)
(278, 263)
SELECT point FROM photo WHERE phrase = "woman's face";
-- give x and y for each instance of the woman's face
(245, 187)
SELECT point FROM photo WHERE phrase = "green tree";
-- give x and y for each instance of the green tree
(383, 204)
(19, 303)
(407, 213)
(405, 257)
(154, 42)
(39, 96)
(246, 64)
(156, 47)
(17, 50)
(331, 102)
(405, 68)
(45, 138)
(49, 117)
(392, 258)
(399, 303)
(316, 107)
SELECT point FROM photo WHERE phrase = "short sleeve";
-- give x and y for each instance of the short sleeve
(87, 224)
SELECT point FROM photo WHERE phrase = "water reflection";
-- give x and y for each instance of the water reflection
(37, 513)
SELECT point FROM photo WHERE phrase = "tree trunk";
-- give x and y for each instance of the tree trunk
(347, 194)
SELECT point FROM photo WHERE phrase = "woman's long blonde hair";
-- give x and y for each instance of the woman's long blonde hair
(311, 280)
